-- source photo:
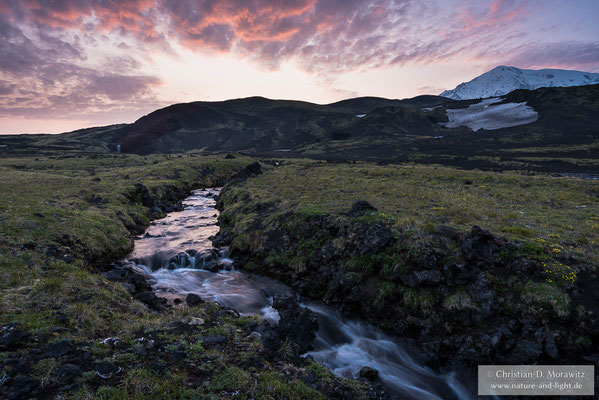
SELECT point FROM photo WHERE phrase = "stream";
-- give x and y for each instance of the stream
(177, 256)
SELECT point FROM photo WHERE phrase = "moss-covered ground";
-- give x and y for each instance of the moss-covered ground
(416, 266)
(65, 219)
(559, 214)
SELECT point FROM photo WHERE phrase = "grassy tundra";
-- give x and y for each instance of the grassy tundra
(412, 262)
(62, 222)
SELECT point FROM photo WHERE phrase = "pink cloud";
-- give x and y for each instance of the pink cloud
(498, 13)
(45, 44)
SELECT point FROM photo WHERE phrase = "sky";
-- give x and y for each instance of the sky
(70, 64)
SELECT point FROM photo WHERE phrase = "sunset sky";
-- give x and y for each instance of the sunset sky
(67, 64)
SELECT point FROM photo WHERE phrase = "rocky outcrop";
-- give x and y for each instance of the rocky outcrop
(133, 280)
(136, 284)
(360, 207)
(297, 324)
(41, 367)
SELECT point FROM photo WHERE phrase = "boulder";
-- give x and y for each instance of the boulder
(428, 277)
(13, 338)
(369, 373)
(297, 324)
(360, 207)
(68, 372)
(370, 238)
(58, 349)
(481, 247)
(151, 300)
(127, 275)
(193, 300)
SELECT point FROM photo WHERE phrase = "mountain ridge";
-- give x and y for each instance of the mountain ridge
(503, 79)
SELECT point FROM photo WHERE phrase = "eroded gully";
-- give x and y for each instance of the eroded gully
(177, 257)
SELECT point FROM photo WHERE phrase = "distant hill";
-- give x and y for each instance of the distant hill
(260, 124)
(563, 139)
(502, 80)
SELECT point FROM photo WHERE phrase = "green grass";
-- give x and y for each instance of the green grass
(547, 295)
(48, 203)
(88, 208)
(418, 300)
(459, 301)
(559, 210)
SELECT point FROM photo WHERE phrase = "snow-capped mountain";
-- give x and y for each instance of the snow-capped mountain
(502, 80)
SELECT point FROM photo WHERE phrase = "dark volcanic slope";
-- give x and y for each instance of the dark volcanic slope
(261, 124)
(564, 139)
(83, 141)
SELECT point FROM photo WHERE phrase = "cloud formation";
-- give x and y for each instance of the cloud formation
(570, 54)
(88, 56)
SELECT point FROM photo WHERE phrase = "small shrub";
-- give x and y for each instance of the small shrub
(418, 300)
(387, 291)
(231, 378)
(547, 295)
(459, 301)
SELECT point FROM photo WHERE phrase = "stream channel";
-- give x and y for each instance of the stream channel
(168, 255)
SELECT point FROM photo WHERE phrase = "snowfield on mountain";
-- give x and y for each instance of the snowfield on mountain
(502, 80)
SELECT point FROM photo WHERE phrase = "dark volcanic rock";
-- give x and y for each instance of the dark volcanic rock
(526, 351)
(297, 324)
(369, 373)
(251, 170)
(269, 337)
(158, 366)
(428, 277)
(68, 372)
(18, 366)
(127, 275)
(151, 300)
(58, 349)
(106, 370)
(213, 339)
(370, 238)
(222, 238)
(480, 293)
(20, 387)
(141, 194)
(13, 338)
(480, 246)
(193, 300)
(359, 207)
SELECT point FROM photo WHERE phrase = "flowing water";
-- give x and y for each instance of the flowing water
(175, 253)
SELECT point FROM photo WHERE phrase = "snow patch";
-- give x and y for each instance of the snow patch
(502, 80)
(485, 115)
(360, 115)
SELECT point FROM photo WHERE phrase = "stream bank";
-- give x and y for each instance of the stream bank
(176, 258)
(462, 298)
